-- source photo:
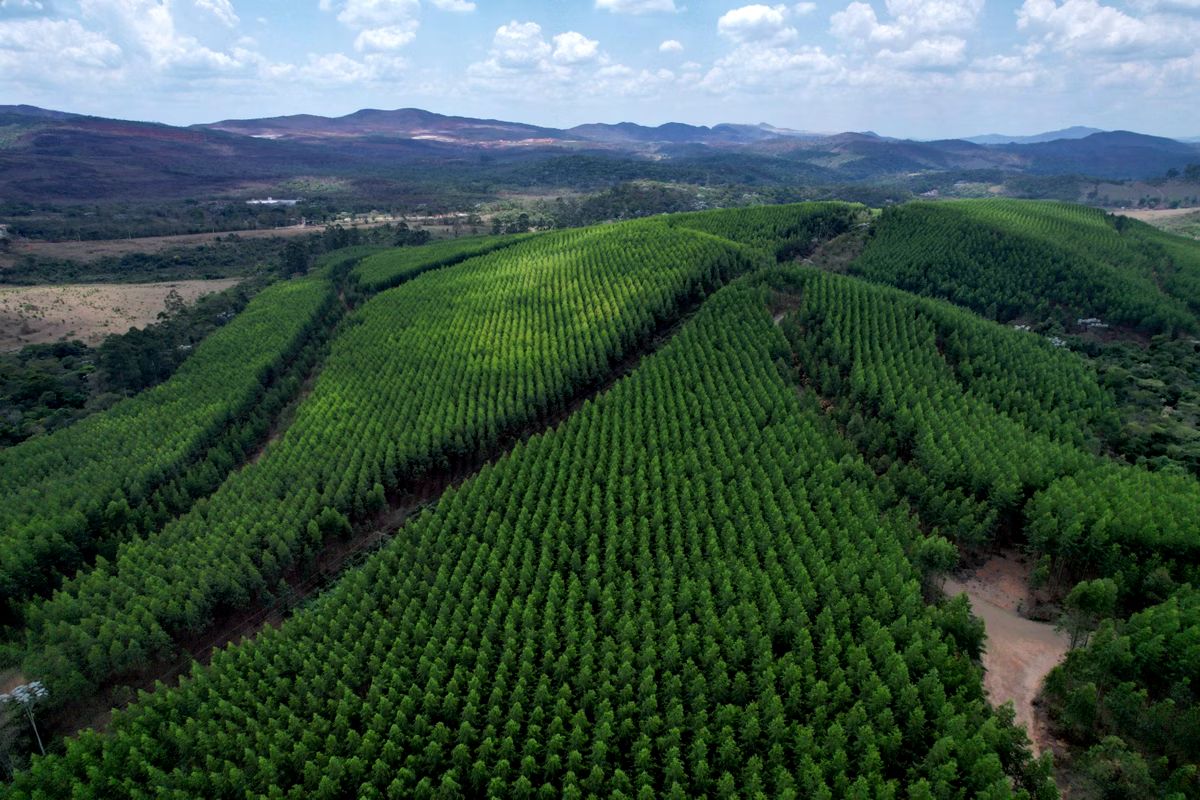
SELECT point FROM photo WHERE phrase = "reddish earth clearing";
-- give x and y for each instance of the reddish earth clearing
(1019, 652)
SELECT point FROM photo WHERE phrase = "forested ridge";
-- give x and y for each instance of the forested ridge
(656, 599)
(1008, 259)
(128, 469)
(439, 366)
(719, 577)
(1112, 538)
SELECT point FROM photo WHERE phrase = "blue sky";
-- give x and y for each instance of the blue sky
(922, 68)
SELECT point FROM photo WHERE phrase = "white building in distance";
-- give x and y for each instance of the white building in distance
(271, 201)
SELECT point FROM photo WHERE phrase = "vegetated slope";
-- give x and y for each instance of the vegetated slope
(1006, 258)
(970, 420)
(1110, 536)
(685, 590)
(1140, 527)
(439, 367)
(1130, 699)
(68, 495)
(930, 393)
(784, 231)
(1181, 276)
(392, 267)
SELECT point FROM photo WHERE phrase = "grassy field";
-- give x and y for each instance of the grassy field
(89, 312)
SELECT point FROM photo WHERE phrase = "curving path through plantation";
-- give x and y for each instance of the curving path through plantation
(1019, 652)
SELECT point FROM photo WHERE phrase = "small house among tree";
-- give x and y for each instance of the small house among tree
(5, 237)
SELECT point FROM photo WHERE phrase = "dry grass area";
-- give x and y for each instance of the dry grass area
(1153, 215)
(88, 311)
(1181, 221)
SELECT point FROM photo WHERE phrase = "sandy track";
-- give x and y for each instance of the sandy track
(1019, 652)
(88, 311)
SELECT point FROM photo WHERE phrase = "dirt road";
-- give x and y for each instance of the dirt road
(1019, 652)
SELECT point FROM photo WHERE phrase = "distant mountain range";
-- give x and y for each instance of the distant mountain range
(56, 156)
(1075, 132)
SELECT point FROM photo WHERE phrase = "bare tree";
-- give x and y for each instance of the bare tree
(27, 696)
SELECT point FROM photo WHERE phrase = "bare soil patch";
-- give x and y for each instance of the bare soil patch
(10, 679)
(1019, 652)
(1152, 214)
(88, 311)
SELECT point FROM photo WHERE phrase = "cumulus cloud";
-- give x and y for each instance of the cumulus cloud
(520, 44)
(636, 6)
(457, 6)
(338, 69)
(382, 25)
(26, 45)
(756, 23)
(146, 29)
(373, 13)
(624, 81)
(221, 9)
(390, 37)
(938, 53)
(935, 16)
(524, 61)
(858, 25)
(751, 68)
(911, 21)
(1088, 27)
(671, 46)
(916, 36)
(574, 48)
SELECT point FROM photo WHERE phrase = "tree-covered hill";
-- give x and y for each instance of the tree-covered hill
(1012, 259)
(716, 576)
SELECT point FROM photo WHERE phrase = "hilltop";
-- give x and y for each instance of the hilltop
(62, 157)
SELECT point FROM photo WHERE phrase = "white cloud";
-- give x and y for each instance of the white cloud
(753, 68)
(671, 46)
(373, 13)
(858, 25)
(935, 16)
(756, 23)
(338, 69)
(146, 29)
(457, 6)
(800, 9)
(636, 6)
(392, 37)
(623, 81)
(574, 48)
(942, 52)
(27, 46)
(520, 44)
(221, 9)
(911, 21)
(382, 25)
(1088, 27)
